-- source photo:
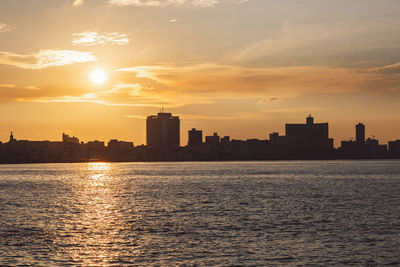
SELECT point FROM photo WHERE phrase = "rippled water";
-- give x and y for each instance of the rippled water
(231, 213)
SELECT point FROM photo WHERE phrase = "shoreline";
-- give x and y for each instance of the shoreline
(211, 161)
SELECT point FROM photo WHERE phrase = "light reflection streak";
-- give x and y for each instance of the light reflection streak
(96, 229)
(100, 173)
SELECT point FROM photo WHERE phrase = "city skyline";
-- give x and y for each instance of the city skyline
(97, 68)
(184, 139)
(302, 141)
(164, 130)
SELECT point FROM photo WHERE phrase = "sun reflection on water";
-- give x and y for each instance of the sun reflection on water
(99, 166)
(100, 173)
(96, 228)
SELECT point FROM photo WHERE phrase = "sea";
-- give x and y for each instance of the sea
(250, 213)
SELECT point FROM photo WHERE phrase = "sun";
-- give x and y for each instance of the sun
(98, 76)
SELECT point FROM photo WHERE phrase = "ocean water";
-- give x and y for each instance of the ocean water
(224, 213)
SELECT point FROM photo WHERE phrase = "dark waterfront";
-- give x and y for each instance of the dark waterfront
(222, 213)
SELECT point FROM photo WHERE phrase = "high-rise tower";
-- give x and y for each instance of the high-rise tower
(163, 130)
(360, 133)
(195, 137)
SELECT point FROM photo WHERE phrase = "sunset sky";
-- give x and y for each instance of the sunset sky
(242, 68)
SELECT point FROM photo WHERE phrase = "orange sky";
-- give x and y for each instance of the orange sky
(241, 68)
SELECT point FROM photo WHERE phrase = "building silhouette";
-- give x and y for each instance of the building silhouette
(163, 130)
(361, 148)
(195, 137)
(274, 138)
(308, 140)
(394, 149)
(66, 139)
(302, 141)
(213, 139)
(225, 140)
(360, 133)
(12, 139)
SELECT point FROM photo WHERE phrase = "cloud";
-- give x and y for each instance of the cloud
(267, 100)
(307, 43)
(7, 85)
(94, 38)
(232, 116)
(87, 98)
(230, 80)
(78, 2)
(388, 69)
(120, 94)
(247, 115)
(141, 117)
(32, 87)
(179, 84)
(295, 110)
(166, 3)
(5, 28)
(205, 3)
(45, 58)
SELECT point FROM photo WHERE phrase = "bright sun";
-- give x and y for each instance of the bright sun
(98, 76)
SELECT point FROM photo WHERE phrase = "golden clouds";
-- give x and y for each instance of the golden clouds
(7, 85)
(388, 69)
(78, 2)
(230, 81)
(94, 38)
(32, 87)
(45, 58)
(4, 27)
(182, 84)
(164, 3)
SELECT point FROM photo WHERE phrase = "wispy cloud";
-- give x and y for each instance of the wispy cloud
(388, 69)
(295, 110)
(267, 100)
(90, 38)
(5, 28)
(233, 116)
(32, 87)
(165, 3)
(78, 2)
(88, 98)
(229, 80)
(45, 58)
(140, 117)
(182, 84)
(310, 43)
(7, 86)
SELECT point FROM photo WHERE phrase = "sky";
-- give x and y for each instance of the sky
(241, 68)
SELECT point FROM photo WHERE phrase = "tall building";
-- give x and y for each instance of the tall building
(360, 133)
(163, 130)
(195, 137)
(308, 139)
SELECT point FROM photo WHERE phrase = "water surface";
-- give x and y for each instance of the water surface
(226, 213)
